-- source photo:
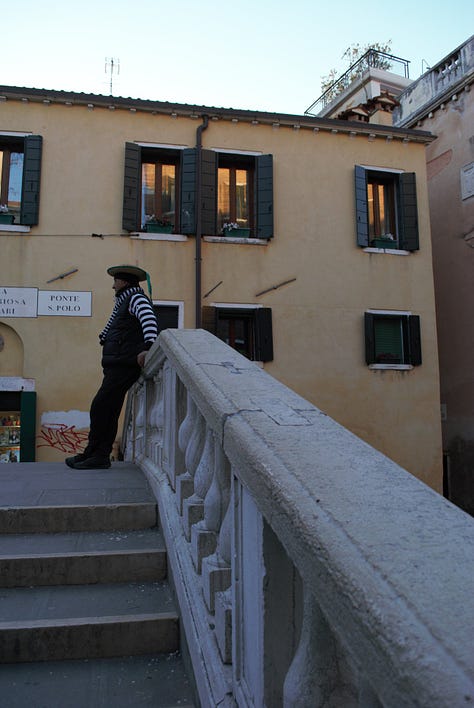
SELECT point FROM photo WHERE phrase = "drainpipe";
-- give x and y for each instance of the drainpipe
(202, 127)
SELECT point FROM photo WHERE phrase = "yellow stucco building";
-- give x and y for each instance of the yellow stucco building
(326, 277)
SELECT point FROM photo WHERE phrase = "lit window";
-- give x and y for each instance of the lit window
(386, 209)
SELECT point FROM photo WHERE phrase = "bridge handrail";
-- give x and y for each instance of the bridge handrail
(379, 568)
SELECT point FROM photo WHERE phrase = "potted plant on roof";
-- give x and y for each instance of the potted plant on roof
(157, 225)
(5, 216)
(235, 230)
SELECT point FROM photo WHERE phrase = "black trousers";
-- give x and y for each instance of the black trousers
(105, 409)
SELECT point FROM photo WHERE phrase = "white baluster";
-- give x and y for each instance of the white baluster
(216, 569)
(312, 675)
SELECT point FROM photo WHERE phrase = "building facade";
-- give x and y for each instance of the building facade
(442, 101)
(324, 276)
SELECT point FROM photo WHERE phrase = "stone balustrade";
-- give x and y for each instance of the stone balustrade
(310, 569)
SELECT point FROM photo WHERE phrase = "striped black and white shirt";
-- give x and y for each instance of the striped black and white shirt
(139, 306)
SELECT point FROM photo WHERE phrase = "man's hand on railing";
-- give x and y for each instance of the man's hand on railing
(141, 359)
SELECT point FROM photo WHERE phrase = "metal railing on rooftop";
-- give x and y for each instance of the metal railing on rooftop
(372, 59)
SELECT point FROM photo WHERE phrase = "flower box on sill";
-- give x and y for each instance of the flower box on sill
(153, 228)
(6, 218)
(384, 243)
(236, 233)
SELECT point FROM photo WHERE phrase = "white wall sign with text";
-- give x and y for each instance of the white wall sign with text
(18, 302)
(64, 302)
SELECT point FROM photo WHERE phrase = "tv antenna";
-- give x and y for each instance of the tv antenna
(112, 66)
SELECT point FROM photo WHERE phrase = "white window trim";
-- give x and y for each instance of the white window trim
(145, 236)
(13, 134)
(236, 305)
(18, 228)
(396, 313)
(391, 251)
(162, 146)
(374, 168)
(229, 151)
(229, 239)
(174, 303)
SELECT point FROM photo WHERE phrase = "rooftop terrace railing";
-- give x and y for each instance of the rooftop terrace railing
(372, 59)
(310, 569)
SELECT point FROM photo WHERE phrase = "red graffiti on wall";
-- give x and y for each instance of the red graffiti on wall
(62, 437)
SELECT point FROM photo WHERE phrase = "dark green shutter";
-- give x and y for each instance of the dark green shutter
(209, 319)
(30, 191)
(188, 191)
(263, 334)
(28, 426)
(369, 338)
(208, 192)
(131, 187)
(388, 336)
(414, 339)
(408, 237)
(362, 211)
(264, 196)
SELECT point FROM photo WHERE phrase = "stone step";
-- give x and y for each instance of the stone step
(130, 682)
(77, 517)
(87, 621)
(82, 558)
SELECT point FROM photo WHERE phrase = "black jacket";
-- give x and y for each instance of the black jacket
(124, 339)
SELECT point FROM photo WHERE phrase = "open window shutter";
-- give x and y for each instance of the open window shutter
(208, 192)
(414, 339)
(188, 191)
(408, 212)
(29, 211)
(369, 338)
(131, 187)
(209, 319)
(263, 334)
(264, 196)
(28, 426)
(362, 212)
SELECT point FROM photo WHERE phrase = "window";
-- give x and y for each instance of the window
(248, 330)
(163, 182)
(20, 169)
(151, 194)
(392, 339)
(168, 316)
(234, 187)
(386, 209)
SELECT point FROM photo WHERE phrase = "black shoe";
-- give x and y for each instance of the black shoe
(71, 461)
(92, 463)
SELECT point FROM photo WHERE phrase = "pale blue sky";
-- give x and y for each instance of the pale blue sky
(255, 54)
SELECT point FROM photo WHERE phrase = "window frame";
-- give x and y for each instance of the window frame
(137, 154)
(31, 146)
(234, 162)
(410, 339)
(179, 304)
(261, 322)
(405, 210)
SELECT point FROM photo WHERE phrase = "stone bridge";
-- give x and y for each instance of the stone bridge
(309, 569)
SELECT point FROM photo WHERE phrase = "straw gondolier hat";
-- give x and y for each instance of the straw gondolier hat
(132, 274)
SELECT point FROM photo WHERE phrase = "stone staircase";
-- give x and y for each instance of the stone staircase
(87, 616)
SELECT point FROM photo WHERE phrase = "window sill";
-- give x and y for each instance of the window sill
(392, 251)
(145, 236)
(396, 367)
(229, 239)
(15, 228)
